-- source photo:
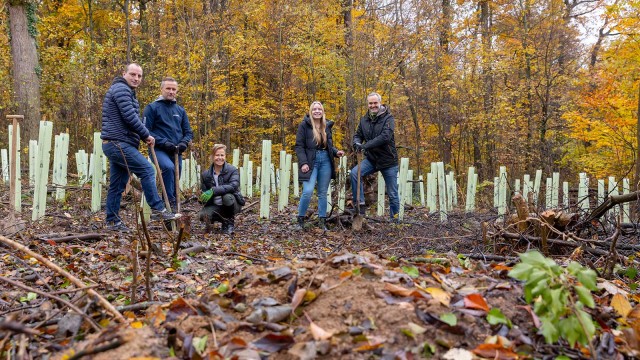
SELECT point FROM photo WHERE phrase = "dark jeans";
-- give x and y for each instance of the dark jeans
(390, 176)
(119, 176)
(221, 213)
(167, 166)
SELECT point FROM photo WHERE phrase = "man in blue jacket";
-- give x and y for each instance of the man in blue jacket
(169, 125)
(122, 130)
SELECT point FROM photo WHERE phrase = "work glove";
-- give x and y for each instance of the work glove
(182, 147)
(358, 147)
(169, 147)
(205, 196)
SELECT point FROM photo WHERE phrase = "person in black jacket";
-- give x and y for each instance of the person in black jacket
(315, 151)
(121, 134)
(221, 196)
(375, 137)
(168, 123)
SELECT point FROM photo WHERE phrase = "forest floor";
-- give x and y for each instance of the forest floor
(422, 288)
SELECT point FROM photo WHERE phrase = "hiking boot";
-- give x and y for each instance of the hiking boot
(300, 224)
(362, 208)
(118, 226)
(163, 215)
(228, 229)
(322, 224)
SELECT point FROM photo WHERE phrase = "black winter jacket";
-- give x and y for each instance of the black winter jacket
(228, 183)
(377, 138)
(121, 114)
(167, 122)
(306, 148)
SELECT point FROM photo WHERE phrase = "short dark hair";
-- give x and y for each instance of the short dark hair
(126, 67)
(167, 79)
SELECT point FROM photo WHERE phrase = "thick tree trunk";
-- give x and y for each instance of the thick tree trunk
(26, 83)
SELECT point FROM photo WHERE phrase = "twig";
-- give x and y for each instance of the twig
(18, 328)
(147, 272)
(96, 350)
(101, 300)
(139, 306)
(134, 260)
(67, 291)
(244, 255)
(57, 298)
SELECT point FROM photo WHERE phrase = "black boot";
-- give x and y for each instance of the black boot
(322, 224)
(228, 227)
(300, 224)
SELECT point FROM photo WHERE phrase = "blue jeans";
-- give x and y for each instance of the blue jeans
(390, 176)
(167, 166)
(321, 174)
(119, 176)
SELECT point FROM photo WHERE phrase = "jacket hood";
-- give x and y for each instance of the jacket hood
(384, 109)
(161, 98)
(307, 120)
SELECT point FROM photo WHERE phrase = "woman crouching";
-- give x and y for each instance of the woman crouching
(221, 196)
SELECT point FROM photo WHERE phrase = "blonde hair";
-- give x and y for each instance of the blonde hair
(319, 133)
(217, 147)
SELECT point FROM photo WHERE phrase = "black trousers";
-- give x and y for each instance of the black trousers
(221, 213)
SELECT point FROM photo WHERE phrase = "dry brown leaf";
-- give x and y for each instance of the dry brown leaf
(297, 299)
(319, 333)
(495, 351)
(476, 301)
(442, 296)
(621, 305)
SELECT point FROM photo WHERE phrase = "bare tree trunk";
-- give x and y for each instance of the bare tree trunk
(26, 82)
(638, 140)
(347, 7)
(444, 111)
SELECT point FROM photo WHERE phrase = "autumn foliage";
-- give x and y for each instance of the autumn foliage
(547, 84)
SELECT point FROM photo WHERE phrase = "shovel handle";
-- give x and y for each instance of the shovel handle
(159, 176)
(359, 160)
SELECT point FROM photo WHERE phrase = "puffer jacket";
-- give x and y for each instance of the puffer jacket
(377, 138)
(121, 114)
(228, 183)
(306, 148)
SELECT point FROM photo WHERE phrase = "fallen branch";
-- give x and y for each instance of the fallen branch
(17, 327)
(96, 350)
(101, 300)
(515, 236)
(71, 237)
(610, 202)
(57, 298)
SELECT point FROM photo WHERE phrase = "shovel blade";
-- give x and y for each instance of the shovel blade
(357, 222)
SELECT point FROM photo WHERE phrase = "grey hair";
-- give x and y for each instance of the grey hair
(167, 79)
(376, 95)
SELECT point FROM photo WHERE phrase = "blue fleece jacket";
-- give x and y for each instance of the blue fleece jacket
(121, 114)
(167, 122)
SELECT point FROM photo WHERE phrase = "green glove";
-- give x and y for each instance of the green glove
(204, 198)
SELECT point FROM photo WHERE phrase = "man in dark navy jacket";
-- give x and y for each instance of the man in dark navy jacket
(121, 134)
(169, 125)
(375, 137)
